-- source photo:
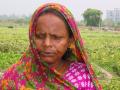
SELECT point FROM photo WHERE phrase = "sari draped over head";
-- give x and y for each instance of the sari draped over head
(32, 73)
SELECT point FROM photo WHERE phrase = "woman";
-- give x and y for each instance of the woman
(55, 59)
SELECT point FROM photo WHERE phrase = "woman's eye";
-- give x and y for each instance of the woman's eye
(57, 37)
(40, 36)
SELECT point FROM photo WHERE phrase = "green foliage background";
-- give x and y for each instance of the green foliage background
(103, 49)
(92, 17)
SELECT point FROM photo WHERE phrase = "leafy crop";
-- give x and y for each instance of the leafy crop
(103, 50)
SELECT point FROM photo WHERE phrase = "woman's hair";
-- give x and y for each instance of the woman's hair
(68, 52)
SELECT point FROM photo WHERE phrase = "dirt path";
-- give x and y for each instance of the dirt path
(107, 74)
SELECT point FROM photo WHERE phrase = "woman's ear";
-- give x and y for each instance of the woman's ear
(71, 41)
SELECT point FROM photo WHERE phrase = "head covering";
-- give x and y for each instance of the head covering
(34, 68)
(78, 48)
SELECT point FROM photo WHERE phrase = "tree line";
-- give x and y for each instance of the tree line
(92, 18)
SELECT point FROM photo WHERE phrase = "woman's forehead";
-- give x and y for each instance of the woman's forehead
(51, 23)
(49, 17)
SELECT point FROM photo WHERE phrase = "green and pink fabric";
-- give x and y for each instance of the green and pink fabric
(31, 73)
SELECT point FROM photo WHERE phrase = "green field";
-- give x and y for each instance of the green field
(103, 49)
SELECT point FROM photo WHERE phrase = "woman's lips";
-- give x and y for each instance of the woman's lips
(47, 54)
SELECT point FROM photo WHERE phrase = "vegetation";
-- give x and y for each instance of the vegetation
(92, 17)
(13, 42)
(103, 49)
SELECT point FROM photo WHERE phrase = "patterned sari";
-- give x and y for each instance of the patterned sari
(32, 73)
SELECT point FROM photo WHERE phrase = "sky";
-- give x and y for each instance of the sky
(77, 7)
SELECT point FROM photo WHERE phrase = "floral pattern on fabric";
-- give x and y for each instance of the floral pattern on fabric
(32, 73)
(79, 76)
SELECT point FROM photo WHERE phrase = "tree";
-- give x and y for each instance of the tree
(92, 17)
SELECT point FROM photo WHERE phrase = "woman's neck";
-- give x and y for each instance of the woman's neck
(61, 66)
(56, 64)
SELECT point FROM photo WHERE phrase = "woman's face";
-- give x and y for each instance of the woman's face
(52, 38)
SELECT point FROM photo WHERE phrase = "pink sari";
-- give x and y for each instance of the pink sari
(32, 73)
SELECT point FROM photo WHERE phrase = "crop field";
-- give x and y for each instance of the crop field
(103, 48)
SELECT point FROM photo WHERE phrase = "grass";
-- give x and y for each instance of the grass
(13, 42)
(103, 49)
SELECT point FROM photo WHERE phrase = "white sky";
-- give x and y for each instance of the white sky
(77, 7)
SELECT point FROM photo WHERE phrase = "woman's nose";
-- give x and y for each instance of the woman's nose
(47, 42)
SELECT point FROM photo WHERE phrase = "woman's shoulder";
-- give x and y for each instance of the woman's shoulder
(77, 64)
(77, 68)
(15, 69)
(10, 72)
(11, 75)
(78, 75)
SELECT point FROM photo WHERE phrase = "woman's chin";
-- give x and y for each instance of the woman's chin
(48, 60)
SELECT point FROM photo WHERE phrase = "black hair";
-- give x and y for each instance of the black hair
(68, 52)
